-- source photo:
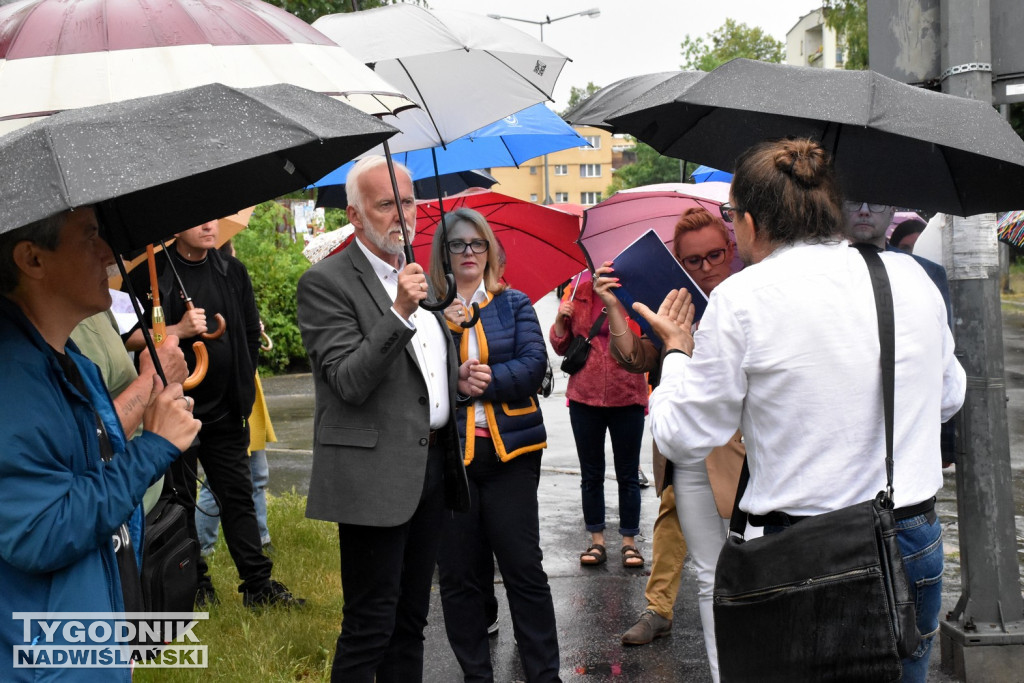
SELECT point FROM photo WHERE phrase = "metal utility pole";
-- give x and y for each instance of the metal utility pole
(982, 639)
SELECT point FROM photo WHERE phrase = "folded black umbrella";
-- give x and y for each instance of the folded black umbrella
(892, 143)
(157, 165)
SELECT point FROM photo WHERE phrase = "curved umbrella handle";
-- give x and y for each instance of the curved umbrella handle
(269, 343)
(202, 364)
(444, 303)
(221, 326)
(466, 324)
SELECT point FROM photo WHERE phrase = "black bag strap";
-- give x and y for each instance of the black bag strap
(887, 359)
(597, 324)
(887, 346)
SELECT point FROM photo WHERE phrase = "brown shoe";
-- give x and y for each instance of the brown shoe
(649, 626)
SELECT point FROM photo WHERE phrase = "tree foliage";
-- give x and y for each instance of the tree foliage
(275, 264)
(730, 40)
(849, 19)
(650, 167)
(311, 10)
(577, 95)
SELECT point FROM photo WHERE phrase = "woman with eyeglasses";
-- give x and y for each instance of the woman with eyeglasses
(503, 436)
(696, 499)
(603, 399)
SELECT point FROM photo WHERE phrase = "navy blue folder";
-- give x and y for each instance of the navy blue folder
(647, 272)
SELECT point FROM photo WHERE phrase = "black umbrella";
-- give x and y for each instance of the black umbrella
(335, 196)
(596, 109)
(892, 143)
(157, 165)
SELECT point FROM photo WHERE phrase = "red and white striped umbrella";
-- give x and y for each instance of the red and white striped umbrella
(66, 54)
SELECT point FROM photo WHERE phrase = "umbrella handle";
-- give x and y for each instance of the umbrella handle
(202, 364)
(442, 304)
(466, 324)
(269, 343)
(221, 326)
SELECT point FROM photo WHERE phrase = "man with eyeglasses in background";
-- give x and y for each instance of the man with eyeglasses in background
(866, 223)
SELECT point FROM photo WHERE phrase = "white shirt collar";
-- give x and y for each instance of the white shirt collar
(383, 269)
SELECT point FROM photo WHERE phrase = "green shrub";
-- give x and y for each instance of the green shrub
(275, 264)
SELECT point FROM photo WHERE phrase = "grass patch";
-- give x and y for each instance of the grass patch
(273, 645)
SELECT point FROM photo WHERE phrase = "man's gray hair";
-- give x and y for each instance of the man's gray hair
(45, 233)
(352, 189)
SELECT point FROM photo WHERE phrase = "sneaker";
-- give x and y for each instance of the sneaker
(644, 483)
(276, 594)
(492, 630)
(649, 626)
(206, 596)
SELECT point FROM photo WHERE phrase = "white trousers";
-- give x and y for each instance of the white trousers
(705, 532)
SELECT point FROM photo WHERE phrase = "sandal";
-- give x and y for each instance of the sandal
(594, 555)
(630, 555)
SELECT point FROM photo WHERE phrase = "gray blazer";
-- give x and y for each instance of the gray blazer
(372, 417)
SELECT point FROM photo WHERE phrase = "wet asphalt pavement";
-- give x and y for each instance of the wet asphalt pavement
(594, 606)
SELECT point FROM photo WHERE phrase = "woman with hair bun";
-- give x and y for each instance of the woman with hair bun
(788, 352)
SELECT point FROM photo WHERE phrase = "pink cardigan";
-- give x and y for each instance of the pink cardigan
(601, 382)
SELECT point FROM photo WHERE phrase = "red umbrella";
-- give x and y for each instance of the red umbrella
(539, 241)
(66, 54)
(612, 225)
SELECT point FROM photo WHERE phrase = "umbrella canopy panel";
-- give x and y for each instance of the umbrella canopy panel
(891, 143)
(612, 225)
(64, 54)
(464, 70)
(539, 241)
(161, 164)
(335, 196)
(508, 142)
(596, 109)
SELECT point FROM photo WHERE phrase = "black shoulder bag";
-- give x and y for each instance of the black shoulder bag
(827, 598)
(579, 348)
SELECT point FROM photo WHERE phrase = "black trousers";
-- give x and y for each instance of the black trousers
(222, 448)
(386, 574)
(504, 517)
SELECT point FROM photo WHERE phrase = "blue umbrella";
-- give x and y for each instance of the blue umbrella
(705, 173)
(509, 142)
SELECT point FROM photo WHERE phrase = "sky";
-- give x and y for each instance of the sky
(630, 37)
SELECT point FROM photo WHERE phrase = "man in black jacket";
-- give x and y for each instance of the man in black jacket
(223, 400)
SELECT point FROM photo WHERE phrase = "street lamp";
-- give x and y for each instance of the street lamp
(593, 13)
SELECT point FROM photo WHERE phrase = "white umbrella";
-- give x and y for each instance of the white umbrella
(65, 54)
(464, 70)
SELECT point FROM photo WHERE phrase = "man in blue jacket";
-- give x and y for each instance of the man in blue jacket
(68, 476)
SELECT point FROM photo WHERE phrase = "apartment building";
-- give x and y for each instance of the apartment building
(811, 43)
(579, 175)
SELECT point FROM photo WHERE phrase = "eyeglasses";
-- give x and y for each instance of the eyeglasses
(729, 212)
(715, 257)
(852, 207)
(476, 246)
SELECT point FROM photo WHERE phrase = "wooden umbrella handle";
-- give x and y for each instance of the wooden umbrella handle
(216, 334)
(268, 343)
(202, 364)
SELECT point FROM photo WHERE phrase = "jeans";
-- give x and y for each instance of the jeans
(705, 532)
(921, 547)
(625, 425)
(222, 450)
(207, 524)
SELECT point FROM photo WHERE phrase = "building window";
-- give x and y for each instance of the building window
(590, 170)
(561, 169)
(533, 170)
(561, 198)
(589, 198)
(533, 197)
(593, 140)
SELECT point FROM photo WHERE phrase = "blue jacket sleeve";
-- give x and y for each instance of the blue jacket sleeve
(515, 377)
